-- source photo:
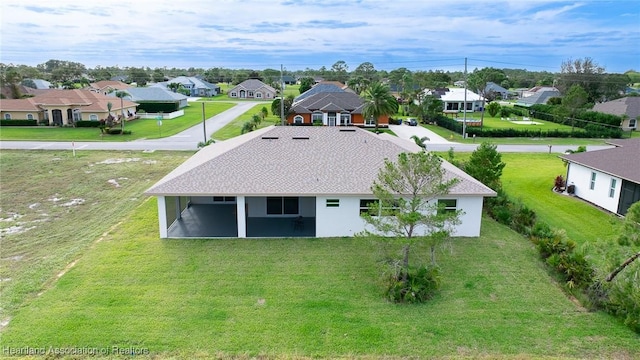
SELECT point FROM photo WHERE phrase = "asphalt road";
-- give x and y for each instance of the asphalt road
(188, 139)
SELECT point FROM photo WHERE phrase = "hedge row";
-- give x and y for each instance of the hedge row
(157, 107)
(5, 122)
(582, 119)
(87, 124)
(591, 131)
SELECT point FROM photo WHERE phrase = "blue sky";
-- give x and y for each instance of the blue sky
(536, 35)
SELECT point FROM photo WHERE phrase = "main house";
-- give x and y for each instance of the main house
(64, 107)
(291, 181)
(608, 178)
(252, 89)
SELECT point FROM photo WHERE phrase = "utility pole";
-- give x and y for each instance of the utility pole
(204, 124)
(464, 116)
(281, 95)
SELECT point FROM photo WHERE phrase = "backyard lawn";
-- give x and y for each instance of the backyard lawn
(277, 297)
(140, 128)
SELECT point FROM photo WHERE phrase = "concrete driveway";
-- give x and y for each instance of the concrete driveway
(406, 132)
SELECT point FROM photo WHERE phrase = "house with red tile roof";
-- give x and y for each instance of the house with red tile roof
(64, 107)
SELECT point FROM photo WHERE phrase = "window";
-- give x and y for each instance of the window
(268, 95)
(364, 206)
(345, 119)
(632, 123)
(333, 202)
(447, 205)
(282, 205)
(297, 119)
(93, 117)
(249, 93)
(7, 116)
(592, 185)
(369, 121)
(29, 116)
(77, 115)
(316, 118)
(233, 94)
(258, 95)
(221, 199)
(612, 188)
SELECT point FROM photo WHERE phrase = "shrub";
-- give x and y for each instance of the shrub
(5, 122)
(562, 255)
(114, 131)
(422, 284)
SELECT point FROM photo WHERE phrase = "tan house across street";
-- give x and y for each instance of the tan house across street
(252, 89)
(64, 107)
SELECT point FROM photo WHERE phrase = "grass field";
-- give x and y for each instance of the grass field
(140, 128)
(278, 297)
(234, 128)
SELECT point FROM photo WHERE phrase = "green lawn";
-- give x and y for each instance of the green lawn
(276, 297)
(234, 128)
(140, 128)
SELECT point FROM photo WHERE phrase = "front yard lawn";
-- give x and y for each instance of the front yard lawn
(140, 128)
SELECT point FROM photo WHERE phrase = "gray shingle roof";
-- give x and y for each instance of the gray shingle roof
(540, 97)
(253, 84)
(623, 161)
(319, 88)
(333, 101)
(295, 161)
(629, 106)
(153, 93)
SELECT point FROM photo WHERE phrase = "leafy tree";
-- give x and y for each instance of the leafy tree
(306, 83)
(339, 71)
(493, 108)
(275, 105)
(407, 191)
(366, 70)
(592, 78)
(358, 83)
(485, 165)
(139, 76)
(248, 126)
(378, 102)
(478, 80)
(158, 75)
(574, 100)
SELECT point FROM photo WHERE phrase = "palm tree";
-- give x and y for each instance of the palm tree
(378, 102)
(121, 94)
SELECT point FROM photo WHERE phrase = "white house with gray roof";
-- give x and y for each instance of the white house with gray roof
(291, 181)
(608, 178)
(196, 86)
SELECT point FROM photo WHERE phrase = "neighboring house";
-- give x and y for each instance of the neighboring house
(288, 79)
(627, 106)
(331, 109)
(64, 107)
(320, 88)
(107, 86)
(608, 178)
(496, 89)
(196, 86)
(252, 89)
(37, 83)
(121, 78)
(155, 99)
(292, 181)
(454, 99)
(537, 95)
(459, 83)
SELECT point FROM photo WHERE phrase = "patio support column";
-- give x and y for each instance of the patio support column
(178, 208)
(162, 217)
(241, 216)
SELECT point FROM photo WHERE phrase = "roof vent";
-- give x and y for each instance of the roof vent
(270, 138)
(347, 130)
(300, 138)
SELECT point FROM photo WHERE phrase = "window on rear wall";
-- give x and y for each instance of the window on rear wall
(447, 205)
(282, 206)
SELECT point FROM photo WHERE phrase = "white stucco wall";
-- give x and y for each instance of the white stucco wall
(580, 176)
(345, 220)
(162, 218)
